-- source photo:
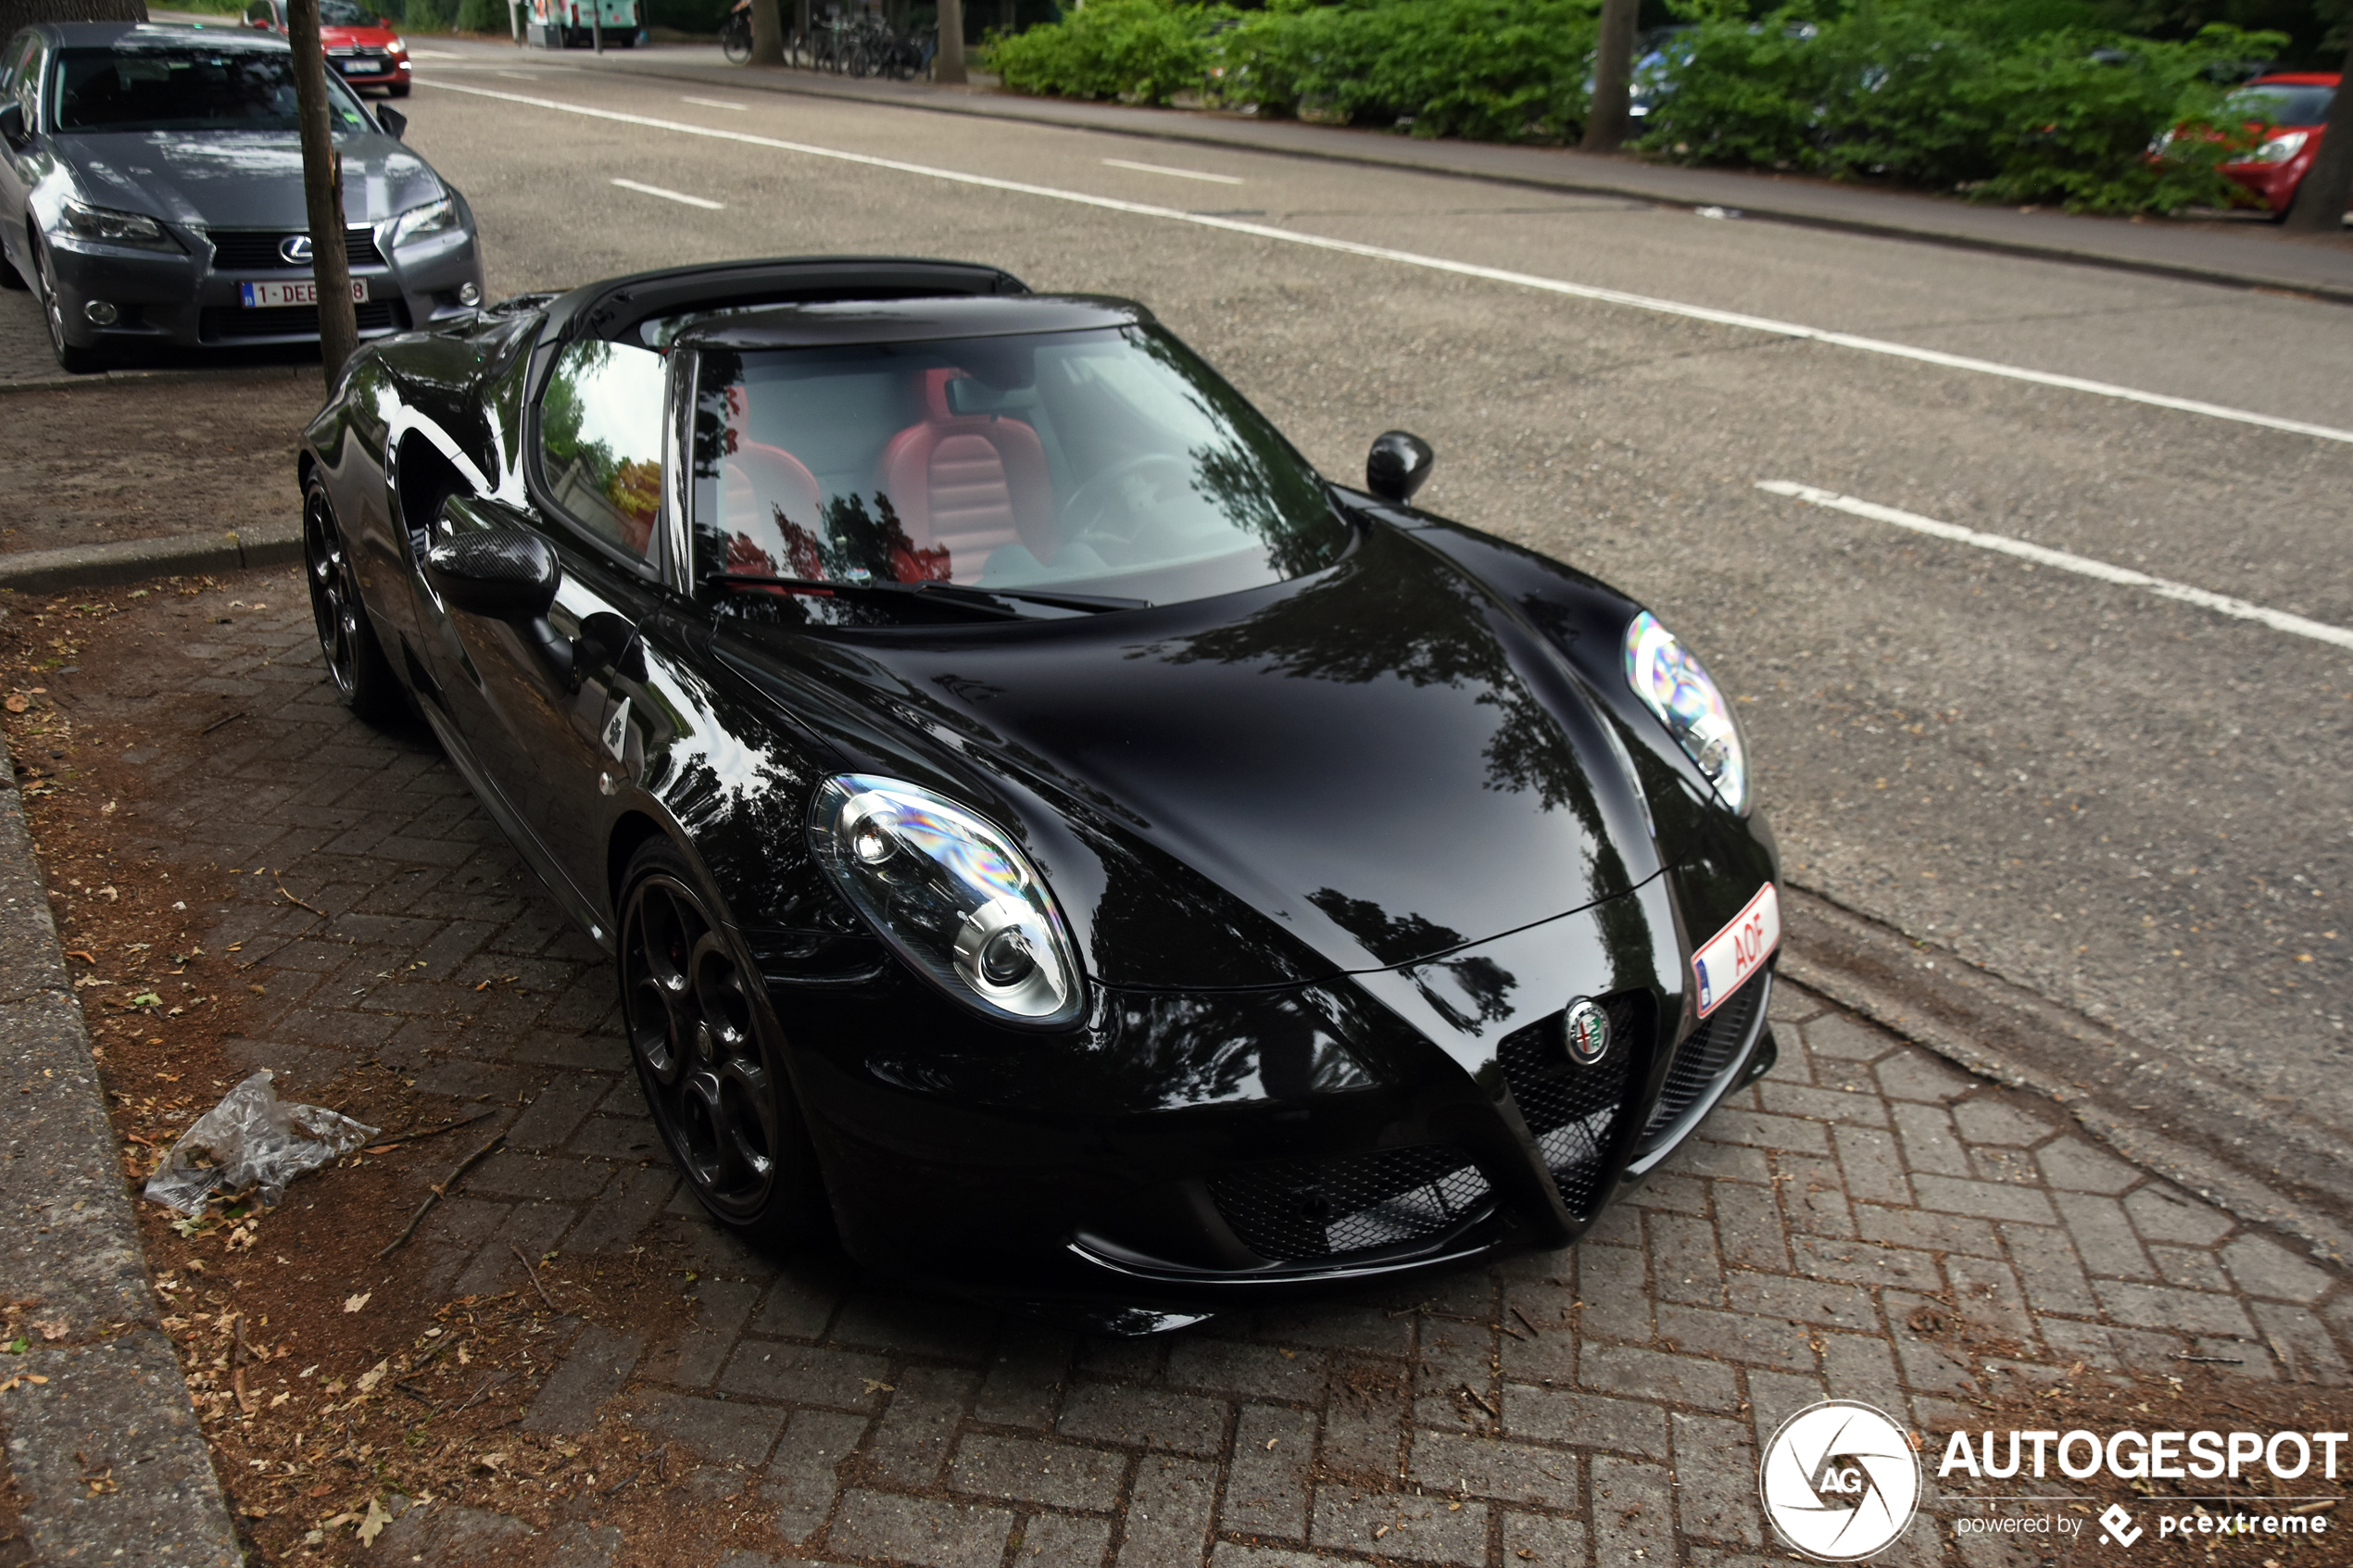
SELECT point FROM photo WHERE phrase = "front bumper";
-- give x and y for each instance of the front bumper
(192, 298)
(2273, 185)
(1197, 1152)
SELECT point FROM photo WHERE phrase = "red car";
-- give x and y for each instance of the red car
(2295, 104)
(362, 46)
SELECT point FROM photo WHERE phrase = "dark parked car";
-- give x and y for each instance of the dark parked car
(151, 192)
(1045, 829)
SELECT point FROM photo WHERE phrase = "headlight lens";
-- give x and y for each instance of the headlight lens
(434, 217)
(1669, 679)
(109, 226)
(952, 894)
(2280, 148)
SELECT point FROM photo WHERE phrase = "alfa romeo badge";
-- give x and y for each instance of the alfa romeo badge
(1587, 1033)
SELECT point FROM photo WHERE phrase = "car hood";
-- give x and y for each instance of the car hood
(359, 37)
(240, 179)
(1381, 760)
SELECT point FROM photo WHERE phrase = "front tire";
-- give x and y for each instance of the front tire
(400, 89)
(710, 1055)
(355, 662)
(73, 359)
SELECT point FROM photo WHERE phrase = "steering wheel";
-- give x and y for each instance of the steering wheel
(1157, 474)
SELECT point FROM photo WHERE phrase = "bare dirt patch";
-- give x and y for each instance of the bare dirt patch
(139, 460)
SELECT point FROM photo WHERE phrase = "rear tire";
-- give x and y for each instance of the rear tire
(399, 89)
(711, 1055)
(356, 663)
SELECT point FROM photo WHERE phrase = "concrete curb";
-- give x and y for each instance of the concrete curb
(161, 376)
(112, 1402)
(90, 566)
(1755, 197)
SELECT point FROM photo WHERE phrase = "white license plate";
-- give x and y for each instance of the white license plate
(359, 66)
(1739, 950)
(262, 297)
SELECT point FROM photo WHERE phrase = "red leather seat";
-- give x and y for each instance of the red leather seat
(770, 508)
(968, 483)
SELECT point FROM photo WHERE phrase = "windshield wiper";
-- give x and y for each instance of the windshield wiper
(988, 600)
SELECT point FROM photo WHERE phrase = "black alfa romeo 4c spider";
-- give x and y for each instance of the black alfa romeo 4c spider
(1044, 829)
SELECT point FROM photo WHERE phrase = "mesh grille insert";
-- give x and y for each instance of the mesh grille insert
(221, 323)
(1704, 1055)
(1305, 1210)
(256, 250)
(1573, 1110)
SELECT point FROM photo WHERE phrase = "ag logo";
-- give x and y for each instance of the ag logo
(1840, 1481)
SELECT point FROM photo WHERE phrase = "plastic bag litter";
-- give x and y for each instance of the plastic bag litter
(251, 1139)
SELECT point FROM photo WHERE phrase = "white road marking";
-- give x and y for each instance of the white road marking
(713, 102)
(519, 75)
(1460, 269)
(438, 55)
(2124, 576)
(708, 206)
(1180, 173)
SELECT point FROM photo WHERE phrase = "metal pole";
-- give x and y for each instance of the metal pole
(596, 25)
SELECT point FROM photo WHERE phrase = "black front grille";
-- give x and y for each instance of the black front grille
(1574, 1111)
(1304, 1210)
(1706, 1052)
(226, 323)
(256, 250)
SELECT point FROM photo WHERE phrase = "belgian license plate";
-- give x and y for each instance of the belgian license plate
(303, 291)
(359, 64)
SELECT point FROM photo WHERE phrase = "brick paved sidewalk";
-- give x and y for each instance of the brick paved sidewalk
(1599, 1405)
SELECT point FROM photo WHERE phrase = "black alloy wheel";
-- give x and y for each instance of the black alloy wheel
(709, 1056)
(356, 660)
(73, 360)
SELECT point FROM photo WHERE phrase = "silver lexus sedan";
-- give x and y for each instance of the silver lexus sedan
(151, 194)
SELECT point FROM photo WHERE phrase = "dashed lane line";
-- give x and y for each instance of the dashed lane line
(2083, 566)
(1180, 173)
(680, 197)
(1442, 264)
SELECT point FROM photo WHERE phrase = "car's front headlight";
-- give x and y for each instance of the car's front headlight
(2280, 148)
(107, 227)
(952, 894)
(433, 218)
(1669, 679)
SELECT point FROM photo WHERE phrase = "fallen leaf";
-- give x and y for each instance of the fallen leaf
(373, 1525)
(18, 702)
(54, 1329)
(374, 1375)
(353, 1303)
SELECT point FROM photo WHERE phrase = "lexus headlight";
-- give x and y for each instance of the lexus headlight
(109, 226)
(433, 218)
(1669, 679)
(952, 894)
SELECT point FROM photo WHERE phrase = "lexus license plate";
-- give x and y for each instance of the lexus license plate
(303, 291)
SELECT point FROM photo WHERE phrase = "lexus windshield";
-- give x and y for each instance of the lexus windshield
(186, 89)
(1106, 461)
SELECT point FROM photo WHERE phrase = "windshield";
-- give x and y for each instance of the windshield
(1107, 461)
(186, 89)
(2282, 104)
(343, 13)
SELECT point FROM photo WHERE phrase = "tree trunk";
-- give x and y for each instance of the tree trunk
(14, 14)
(1607, 120)
(322, 190)
(950, 65)
(767, 33)
(2327, 189)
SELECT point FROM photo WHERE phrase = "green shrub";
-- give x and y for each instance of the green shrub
(428, 16)
(483, 16)
(1495, 70)
(1899, 91)
(1139, 51)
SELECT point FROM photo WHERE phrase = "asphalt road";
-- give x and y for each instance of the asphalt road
(2128, 803)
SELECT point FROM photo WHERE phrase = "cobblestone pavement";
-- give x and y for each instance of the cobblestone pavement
(1597, 1405)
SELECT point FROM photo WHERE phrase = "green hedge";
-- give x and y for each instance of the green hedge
(1902, 93)
(1494, 69)
(2004, 100)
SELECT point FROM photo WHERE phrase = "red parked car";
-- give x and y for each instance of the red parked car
(362, 46)
(2295, 104)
